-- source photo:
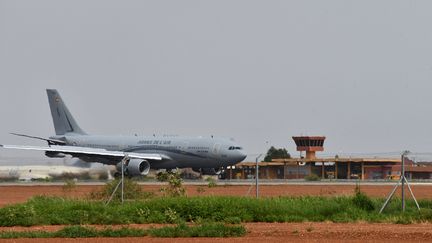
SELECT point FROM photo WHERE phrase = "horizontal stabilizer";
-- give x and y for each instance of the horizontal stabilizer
(50, 141)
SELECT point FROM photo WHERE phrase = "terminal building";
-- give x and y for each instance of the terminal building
(313, 167)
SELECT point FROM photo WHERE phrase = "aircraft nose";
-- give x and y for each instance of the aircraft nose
(241, 155)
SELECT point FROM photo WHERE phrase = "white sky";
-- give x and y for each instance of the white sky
(358, 72)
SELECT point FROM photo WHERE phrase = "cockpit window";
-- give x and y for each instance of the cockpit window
(234, 148)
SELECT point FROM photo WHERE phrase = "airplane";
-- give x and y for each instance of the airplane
(137, 154)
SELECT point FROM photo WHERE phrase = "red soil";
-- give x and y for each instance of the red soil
(257, 232)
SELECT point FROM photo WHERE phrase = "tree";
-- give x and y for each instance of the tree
(274, 153)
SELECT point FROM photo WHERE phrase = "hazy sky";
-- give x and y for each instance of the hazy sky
(358, 72)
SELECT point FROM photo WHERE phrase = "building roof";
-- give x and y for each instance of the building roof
(294, 161)
(309, 137)
(309, 144)
(410, 168)
(349, 159)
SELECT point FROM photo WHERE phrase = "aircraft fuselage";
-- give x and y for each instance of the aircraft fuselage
(179, 152)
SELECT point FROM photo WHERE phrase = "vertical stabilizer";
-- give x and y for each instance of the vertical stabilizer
(62, 118)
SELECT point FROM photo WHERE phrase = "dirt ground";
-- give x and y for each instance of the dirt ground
(257, 232)
(279, 232)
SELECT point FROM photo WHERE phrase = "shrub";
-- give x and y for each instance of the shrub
(362, 201)
(211, 182)
(175, 183)
(312, 177)
(132, 191)
(20, 214)
(171, 215)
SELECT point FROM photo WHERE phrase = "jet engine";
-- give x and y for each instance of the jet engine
(136, 167)
(54, 154)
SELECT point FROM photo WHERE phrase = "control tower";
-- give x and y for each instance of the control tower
(310, 145)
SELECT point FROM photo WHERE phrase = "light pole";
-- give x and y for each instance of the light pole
(256, 174)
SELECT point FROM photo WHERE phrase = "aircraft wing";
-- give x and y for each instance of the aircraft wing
(76, 151)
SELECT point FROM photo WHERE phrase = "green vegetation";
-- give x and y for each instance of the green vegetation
(59, 211)
(69, 185)
(181, 230)
(205, 230)
(76, 231)
(362, 201)
(274, 153)
(132, 191)
(211, 182)
(312, 177)
(175, 183)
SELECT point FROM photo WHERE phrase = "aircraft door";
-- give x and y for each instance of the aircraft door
(216, 149)
(184, 146)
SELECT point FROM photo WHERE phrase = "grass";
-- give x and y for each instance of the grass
(181, 230)
(205, 230)
(60, 211)
(76, 231)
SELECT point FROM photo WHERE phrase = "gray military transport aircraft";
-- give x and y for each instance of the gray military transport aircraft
(139, 153)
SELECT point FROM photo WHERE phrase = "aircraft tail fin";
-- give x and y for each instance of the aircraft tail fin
(62, 118)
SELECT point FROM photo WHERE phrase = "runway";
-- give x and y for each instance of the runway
(229, 182)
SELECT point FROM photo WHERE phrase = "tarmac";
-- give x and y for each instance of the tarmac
(230, 182)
